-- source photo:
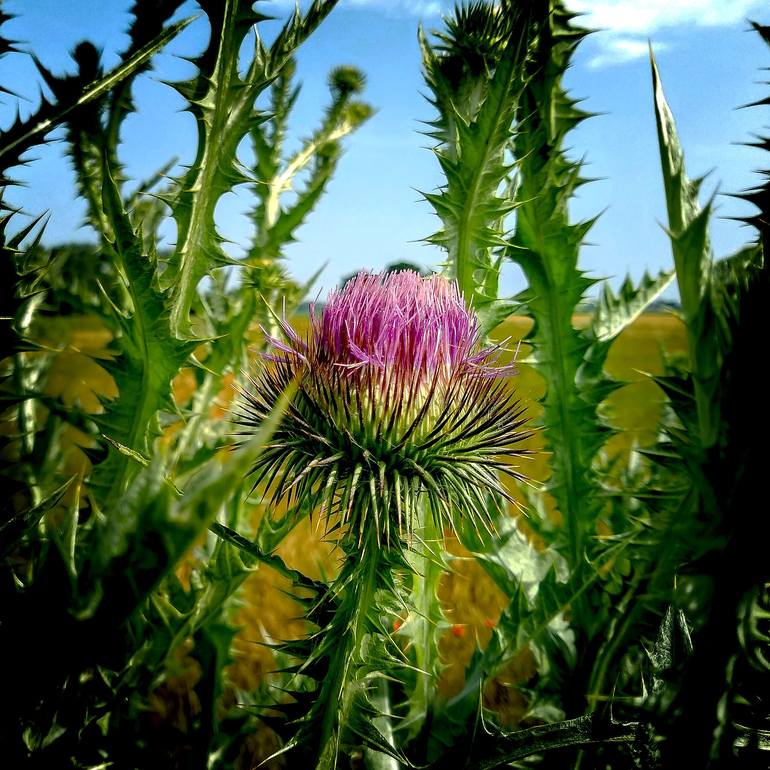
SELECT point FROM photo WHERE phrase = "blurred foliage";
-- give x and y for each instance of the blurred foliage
(117, 370)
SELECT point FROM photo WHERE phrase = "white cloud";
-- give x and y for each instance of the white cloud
(619, 50)
(421, 8)
(643, 17)
(634, 17)
(625, 25)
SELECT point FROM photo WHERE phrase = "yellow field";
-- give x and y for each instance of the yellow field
(472, 603)
(637, 354)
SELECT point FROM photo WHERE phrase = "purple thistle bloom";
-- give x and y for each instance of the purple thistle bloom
(397, 402)
(400, 322)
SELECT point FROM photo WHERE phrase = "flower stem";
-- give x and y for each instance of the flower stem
(377, 760)
(428, 568)
(351, 638)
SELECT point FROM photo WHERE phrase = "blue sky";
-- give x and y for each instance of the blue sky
(372, 213)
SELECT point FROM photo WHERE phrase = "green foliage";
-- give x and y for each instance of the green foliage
(222, 104)
(90, 559)
(275, 223)
(73, 94)
(540, 182)
(722, 304)
(644, 603)
(476, 75)
(616, 588)
(350, 651)
(150, 356)
(422, 631)
(688, 228)
(546, 246)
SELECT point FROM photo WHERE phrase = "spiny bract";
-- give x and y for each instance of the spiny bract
(397, 403)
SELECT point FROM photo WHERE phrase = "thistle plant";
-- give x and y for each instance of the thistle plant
(397, 401)
(634, 635)
(401, 421)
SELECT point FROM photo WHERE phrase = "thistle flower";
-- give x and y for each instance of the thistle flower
(397, 405)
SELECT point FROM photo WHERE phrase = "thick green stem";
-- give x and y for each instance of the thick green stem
(360, 579)
(376, 760)
(427, 615)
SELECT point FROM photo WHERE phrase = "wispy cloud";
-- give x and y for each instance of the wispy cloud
(422, 8)
(626, 24)
(618, 50)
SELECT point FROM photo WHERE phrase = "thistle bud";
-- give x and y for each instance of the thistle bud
(397, 405)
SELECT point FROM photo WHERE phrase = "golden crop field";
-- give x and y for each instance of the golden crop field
(472, 603)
